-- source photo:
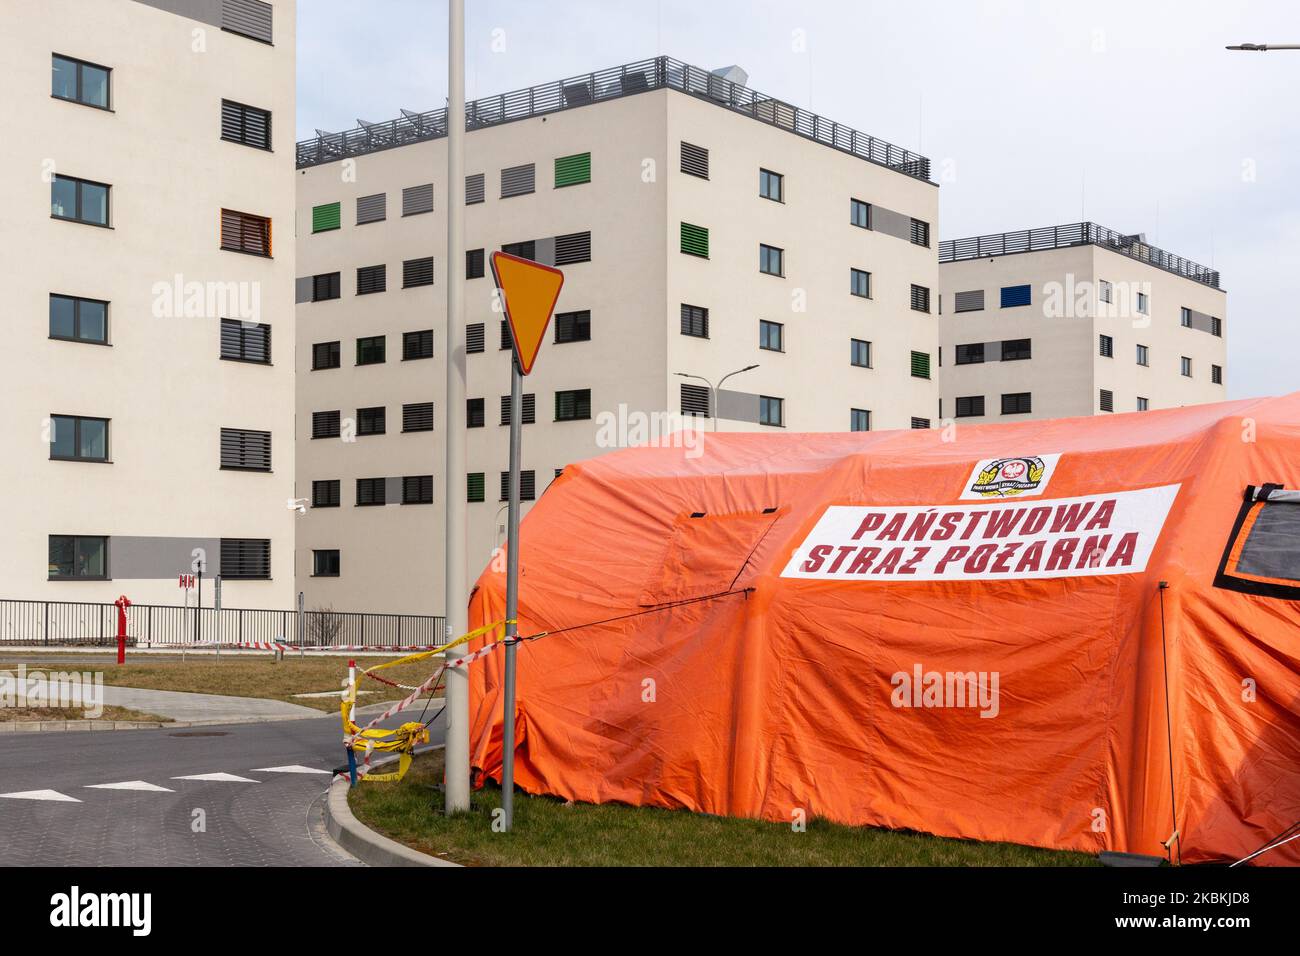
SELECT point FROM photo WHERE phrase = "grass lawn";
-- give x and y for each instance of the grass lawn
(245, 676)
(548, 832)
(75, 713)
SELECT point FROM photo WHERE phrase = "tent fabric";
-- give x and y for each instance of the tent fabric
(720, 636)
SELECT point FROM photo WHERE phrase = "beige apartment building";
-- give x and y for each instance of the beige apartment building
(703, 228)
(1075, 320)
(146, 178)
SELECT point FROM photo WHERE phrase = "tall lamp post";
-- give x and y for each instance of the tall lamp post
(713, 392)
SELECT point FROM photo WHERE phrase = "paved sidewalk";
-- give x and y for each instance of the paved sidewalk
(197, 707)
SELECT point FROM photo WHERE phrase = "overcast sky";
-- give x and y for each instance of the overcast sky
(1126, 112)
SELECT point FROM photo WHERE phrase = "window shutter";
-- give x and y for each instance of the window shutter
(1017, 403)
(1014, 350)
(474, 338)
(572, 170)
(474, 263)
(695, 160)
(325, 286)
(241, 232)
(507, 340)
(325, 355)
(695, 321)
(695, 240)
(1107, 400)
(417, 417)
(417, 272)
(417, 199)
(249, 18)
(372, 208)
(326, 217)
(1106, 346)
(372, 279)
(573, 326)
(417, 345)
(371, 491)
(249, 343)
(245, 558)
(475, 489)
(524, 250)
(245, 449)
(1015, 295)
(970, 301)
(529, 409)
(474, 192)
(920, 298)
(245, 124)
(920, 233)
(475, 415)
(417, 490)
(325, 494)
(573, 405)
(970, 406)
(575, 247)
(527, 485)
(517, 180)
(920, 364)
(372, 421)
(325, 424)
(695, 400)
(920, 423)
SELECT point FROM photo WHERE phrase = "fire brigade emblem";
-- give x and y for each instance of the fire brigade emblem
(1006, 477)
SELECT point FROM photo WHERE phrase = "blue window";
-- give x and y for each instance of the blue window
(1014, 295)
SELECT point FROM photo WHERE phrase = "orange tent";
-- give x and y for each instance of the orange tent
(961, 633)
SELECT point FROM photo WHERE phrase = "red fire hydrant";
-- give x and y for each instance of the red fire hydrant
(122, 604)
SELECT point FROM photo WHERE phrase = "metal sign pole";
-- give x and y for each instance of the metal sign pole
(512, 597)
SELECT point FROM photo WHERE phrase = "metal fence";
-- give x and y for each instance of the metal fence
(612, 83)
(86, 623)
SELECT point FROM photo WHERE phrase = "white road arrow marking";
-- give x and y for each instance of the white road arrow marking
(40, 795)
(129, 785)
(219, 777)
(292, 768)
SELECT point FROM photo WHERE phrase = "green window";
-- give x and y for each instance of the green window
(572, 170)
(695, 240)
(326, 217)
(920, 364)
(476, 486)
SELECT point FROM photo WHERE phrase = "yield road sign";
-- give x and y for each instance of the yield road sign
(529, 291)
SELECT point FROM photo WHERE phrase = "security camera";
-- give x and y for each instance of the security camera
(297, 504)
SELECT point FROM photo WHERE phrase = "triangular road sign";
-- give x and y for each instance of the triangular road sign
(529, 291)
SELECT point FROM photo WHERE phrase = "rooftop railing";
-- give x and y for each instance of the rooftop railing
(1075, 234)
(613, 83)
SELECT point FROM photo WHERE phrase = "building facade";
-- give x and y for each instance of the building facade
(1075, 320)
(147, 179)
(702, 227)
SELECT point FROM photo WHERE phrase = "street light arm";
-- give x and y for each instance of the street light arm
(1263, 47)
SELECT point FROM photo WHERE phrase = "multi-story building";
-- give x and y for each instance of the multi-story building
(147, 184)
(1075, 320)
(703, 228)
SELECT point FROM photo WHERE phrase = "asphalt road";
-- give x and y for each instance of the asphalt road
(272, 817)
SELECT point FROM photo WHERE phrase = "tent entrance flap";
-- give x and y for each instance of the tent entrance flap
(1262, 555)
(708, 554)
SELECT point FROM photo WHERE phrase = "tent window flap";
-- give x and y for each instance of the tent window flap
(708, 554)
(1262, 555)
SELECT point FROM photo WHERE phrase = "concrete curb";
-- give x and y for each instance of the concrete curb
(61, 726)
(364, 843)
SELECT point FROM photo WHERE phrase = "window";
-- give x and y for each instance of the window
(972, 354)
(474, 413)
(1143, 303)
(573, 248)
(245, 449)
(1016, 350)
(249, 18)
(1143, 404)
(417, 490)
(695, 400)
(417, 200)
(573, 327)
(474, 338)
(78, 556)
(695, 160)
(371, 421)
(527, 485)
(859, 420)
(325, 286)
(1216, 327)
(920, 233)
(771, 336)
(920, 424)
(573, 405)
(695, 240)
(417, 417)
(74, 438)
(242, 232)
(325, 424)
(245, 558)
(860, 283)
(771, 260)
(1143, 355)
(417, 272)
(371, 350)
(474, 189)
(529, 407)
(245, 341)
(1185, 317)
(372, 208)
(1105, 346)
(920, 298)
(1216, 374)
(771, 411)
(1106, 400)
(771, 185)
(372, 491)
(325, 355)
(972, 301)
(860, 213)
(1186, 366)
(326, 217)
(1105, 291)
(475, 486)
(572, 170)
(80, 82)
(1017, 403)
(78, 320)
(524, 250)
(417, 345)
(246, 125)
(920, 365)
(860, 353)
(695, 321)
(371, 279)
(325, 564)
(79, 200)
(1014, 296)
(325, 493)
(474, 263)
(1262, 553)
(970, 406)
(517, 180)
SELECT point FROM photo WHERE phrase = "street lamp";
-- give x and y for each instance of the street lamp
(1263, 47)
(714, 391)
